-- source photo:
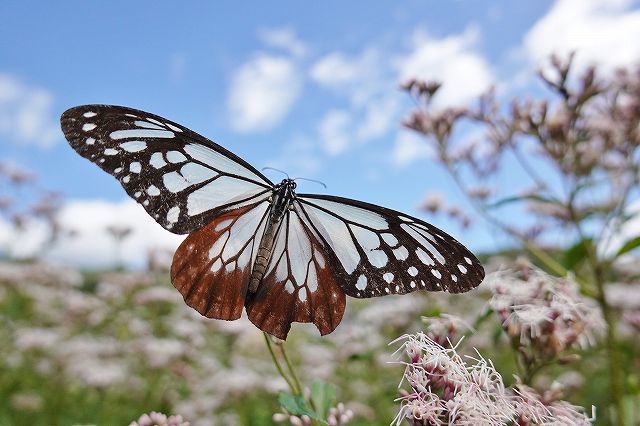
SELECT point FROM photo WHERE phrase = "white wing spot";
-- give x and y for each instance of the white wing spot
(354, 214)
(244, 258)
(153, 120)
(401, 253)
(312, 278)
(157, 161)
(101, 160)
(436, 273)
(462, 269)
(424, 257)
(302, 294)
(137, 193)
(230, 266)
(172, 127)
(153, 190)
(126, 179)
(117, 170)
(412, 271)
(89, 114)
(133, 146)
(378, 258)
(390, 239)
(90, 141)
(223, 224)
(466, 259)
(423, 284)
(145, 203)
(388, 277)
(135, 167)
(282, 271)
(361, 284)
(87, 127)
(110, 151)
(386, 289)
(173, 214)
(422, 239)
(319, 258)
(405, 219)
(140, 133)
(289, 287)
(454, 278)
(397, 288)
(216, 265)
(216, 248)
(176, 157)
(412, 284)
(147, 125)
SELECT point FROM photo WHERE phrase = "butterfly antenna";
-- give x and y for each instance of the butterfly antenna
(277, 170)
(311, 180)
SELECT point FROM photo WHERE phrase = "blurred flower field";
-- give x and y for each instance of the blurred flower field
(102, 348)
(551, 337)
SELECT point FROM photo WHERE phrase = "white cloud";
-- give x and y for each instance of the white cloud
(334, 131)
(283, 38)
(25, 113)
(603, 31)
(336, 69)
(262, 92)
(359, 77)
(92, 245)
(453, 61)
(408, 148)
(380, 116)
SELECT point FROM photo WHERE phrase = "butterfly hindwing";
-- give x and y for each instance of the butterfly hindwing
(379, 251)
(212, 266)
(299, 284)
(182, 179)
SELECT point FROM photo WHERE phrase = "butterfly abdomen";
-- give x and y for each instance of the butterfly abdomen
(282, 198)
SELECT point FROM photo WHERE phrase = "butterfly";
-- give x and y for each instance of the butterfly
(255, 245)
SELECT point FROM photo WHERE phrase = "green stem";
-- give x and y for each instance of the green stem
(291, 370)
(267, 339)
(613, 355)
(616, 374)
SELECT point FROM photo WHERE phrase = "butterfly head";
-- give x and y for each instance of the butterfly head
(290, 184)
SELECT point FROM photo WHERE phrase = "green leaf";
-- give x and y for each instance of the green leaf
(576, 253)
(322, 396)
(628, 246)
(296, 405)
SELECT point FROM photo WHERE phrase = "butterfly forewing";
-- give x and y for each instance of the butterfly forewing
(379, 251)
(212, 266)
(182, 179)
(299, 284)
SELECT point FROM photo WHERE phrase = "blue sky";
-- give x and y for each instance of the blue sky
(311, 88)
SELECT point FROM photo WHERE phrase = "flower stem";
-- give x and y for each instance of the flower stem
(267, 339)
(291, 370)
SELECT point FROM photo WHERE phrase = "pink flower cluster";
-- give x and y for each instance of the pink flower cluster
(543, 311)
(447, 389)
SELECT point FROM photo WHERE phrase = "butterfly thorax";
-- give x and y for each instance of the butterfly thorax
(281, 200)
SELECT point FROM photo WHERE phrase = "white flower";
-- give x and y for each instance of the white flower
(27, 339)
